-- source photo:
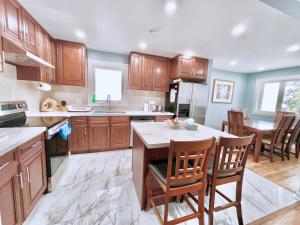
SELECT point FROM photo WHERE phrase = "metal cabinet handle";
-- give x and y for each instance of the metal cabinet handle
(4, 165)
(21, 181)
(28, 174)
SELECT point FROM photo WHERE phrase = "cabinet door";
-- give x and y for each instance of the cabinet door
(200, 68)
(10, 203)
(12, 21)
(147, 72)
(185, 66)
(33, 169)
(78, 141)
(161, 74)
(71, 63)
(30, 28)
(120, 135)
(135, 71)
(99, 137)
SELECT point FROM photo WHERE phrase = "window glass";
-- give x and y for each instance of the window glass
(291, 97)
(108, 82)
(270, 96)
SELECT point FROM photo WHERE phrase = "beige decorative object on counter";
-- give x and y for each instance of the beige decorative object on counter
(51, 105)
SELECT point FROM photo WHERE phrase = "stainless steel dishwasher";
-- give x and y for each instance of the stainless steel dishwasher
(138, 119)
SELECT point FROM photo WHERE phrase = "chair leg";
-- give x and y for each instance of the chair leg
(282, 153)
(149, 191)
(201, 207)
(211, 204)
(239, 186)
(297, 149)
(166, 212)
(271, 153)
(207, 187)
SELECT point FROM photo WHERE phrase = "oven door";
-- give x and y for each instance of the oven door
(56, 152)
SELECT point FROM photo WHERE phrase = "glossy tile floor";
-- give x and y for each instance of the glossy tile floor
(96, 189)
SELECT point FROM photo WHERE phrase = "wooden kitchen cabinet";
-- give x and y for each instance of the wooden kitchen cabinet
(148, 64)
(78, 141)
(162, 118)
(99, 137)
(10, 199)
(71, 63)
(148, 72)
(189, 68)
(33, 169)
(30, 28)
(12, 28)
(161, 74)
(135, 71)
(120, 133)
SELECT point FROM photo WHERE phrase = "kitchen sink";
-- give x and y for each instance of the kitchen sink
(106, 111)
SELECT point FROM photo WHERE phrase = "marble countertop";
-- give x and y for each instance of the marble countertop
(70, 114)
(158, 135)
(11, 138)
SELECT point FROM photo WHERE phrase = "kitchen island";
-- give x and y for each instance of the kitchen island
(151, 142)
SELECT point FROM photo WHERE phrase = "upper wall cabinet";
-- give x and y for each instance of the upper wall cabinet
(71, 63)
(30, 28)
(148, 72)
(189, 68)
(12, 27)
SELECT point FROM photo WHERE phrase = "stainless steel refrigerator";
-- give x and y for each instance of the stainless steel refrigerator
(188, 100)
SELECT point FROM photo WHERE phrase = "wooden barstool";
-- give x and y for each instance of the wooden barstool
(185, 171)
(229, 165)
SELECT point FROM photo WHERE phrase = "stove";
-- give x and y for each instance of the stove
(12, 114)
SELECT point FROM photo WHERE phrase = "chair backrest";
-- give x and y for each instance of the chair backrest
(280, 114)
(295, 135)
(190, 160)
(235, 122)
(231, 155)
(282, 129)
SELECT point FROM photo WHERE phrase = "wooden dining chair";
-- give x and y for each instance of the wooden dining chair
(277, 141)
(185, 171)
(293, 139)
(280, 114)
(228, 166)
(236, 122)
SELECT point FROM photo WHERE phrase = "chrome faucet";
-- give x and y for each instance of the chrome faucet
(108, 100)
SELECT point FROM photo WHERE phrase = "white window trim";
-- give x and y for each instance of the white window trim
(258, 89)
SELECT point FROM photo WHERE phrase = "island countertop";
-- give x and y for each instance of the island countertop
(158, 134)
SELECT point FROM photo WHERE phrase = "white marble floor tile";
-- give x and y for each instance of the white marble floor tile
(97, 189)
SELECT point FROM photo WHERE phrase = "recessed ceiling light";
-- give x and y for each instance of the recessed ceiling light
(143, 45)
(293, 48)
(170, 7)
(188, 54)
(233, 63)
(80, 34)
(261, 68)
(238, 30)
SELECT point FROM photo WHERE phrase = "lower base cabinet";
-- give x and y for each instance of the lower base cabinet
(35, 179)
(95, 134)
(10, 200)
(23, 180)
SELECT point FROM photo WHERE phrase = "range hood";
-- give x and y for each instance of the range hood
(20, 57)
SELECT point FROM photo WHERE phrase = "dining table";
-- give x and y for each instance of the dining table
(258, 127)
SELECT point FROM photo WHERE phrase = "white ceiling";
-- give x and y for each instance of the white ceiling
(201, 26)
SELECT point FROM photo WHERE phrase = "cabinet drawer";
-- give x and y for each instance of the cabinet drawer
(99, 119)
(6, 159)
(79, 119)
(31, 146)
(120, 119)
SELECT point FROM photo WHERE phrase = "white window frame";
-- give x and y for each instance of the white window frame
(259, 93)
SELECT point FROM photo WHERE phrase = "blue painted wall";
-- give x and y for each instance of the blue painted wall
(216, 112)
(251, 82)
(107, 56)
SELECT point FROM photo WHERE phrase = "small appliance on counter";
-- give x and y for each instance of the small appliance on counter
(79, 108)
(12, 114)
